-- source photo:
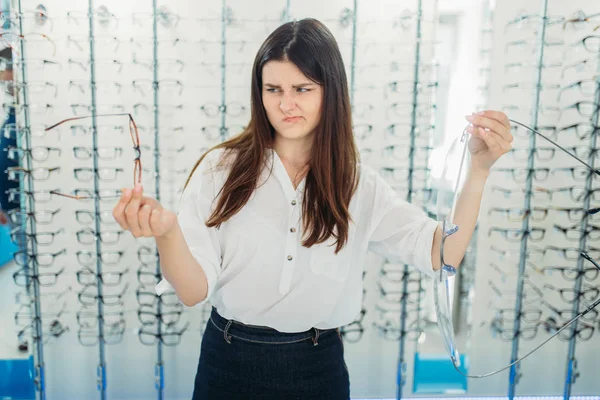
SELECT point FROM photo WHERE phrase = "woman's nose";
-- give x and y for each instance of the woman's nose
(287, 103)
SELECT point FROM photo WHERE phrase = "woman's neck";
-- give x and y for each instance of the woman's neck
(292, 155)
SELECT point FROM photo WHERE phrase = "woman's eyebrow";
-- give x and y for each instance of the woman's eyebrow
(294, 86)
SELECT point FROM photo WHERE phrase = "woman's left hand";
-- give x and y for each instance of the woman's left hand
(488, 145)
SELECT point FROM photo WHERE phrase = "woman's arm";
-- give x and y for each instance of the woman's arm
(465, 217)
(490, 139)
(181, 269)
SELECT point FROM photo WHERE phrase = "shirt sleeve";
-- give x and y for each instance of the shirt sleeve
(195, 208)
(400, 231)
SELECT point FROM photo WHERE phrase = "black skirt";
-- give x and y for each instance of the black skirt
(239, 361)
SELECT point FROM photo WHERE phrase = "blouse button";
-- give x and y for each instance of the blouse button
(293, 202)
(290, 258)
(292, 230)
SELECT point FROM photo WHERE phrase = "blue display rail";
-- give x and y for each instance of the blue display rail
(16, 379)
(435, 374)
(7, 247)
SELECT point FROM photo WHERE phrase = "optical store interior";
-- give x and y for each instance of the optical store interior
(79, 314)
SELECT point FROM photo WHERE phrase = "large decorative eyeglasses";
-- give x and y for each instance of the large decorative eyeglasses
(442, 282)
(135, 138)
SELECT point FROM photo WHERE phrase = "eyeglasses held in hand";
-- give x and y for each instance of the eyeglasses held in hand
(135, 138)
(446, 204)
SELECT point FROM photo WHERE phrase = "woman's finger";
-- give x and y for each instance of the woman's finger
(497, 115)
(504, 145)
(132, 209)
(484, 122)
(490, 140)
(144, 218)
(119, 209)
(498, 144)
(491, 124)
(153, 203)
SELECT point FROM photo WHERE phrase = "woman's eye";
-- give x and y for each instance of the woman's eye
(301, 90)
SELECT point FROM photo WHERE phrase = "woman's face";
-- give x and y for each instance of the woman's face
(291, 100)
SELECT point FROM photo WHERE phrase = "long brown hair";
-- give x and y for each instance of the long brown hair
(332, 177)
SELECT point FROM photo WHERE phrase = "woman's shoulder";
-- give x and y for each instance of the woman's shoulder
(219, 158)
(372, 186)
(369, 177)
(215, 155)
(207, 167)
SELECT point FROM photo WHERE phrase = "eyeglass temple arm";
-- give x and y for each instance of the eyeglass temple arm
(87, 116)
(597, 172)
(590, 259)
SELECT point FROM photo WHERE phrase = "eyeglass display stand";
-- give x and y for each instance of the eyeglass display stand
(402, 362)
(571, 372)
(159, 376)
(28, 205)
(485, 54)
(101, 368)
(225, 12)
(353, 54)
(515, 373)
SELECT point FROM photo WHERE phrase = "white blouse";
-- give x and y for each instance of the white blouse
(259, 273)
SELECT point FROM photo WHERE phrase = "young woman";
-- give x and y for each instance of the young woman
(275, 223)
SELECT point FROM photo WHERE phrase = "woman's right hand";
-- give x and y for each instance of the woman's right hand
(143, 216)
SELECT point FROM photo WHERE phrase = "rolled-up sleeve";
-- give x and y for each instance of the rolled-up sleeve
(195, 208)
(400, 231)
